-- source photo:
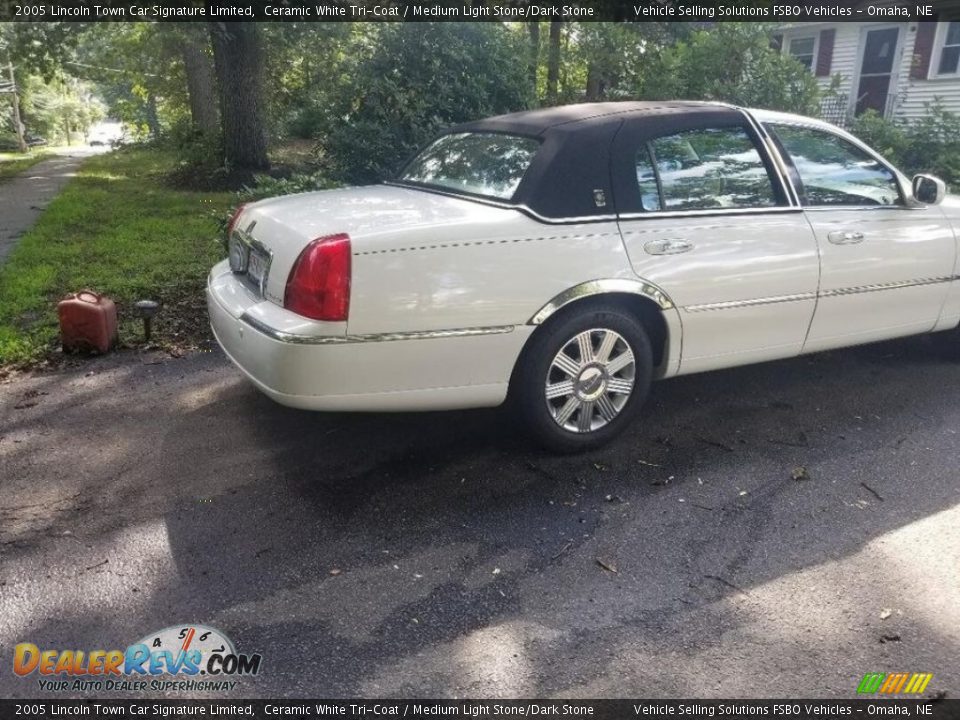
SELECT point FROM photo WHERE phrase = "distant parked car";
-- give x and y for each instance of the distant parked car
(10, 142)
(571, 255)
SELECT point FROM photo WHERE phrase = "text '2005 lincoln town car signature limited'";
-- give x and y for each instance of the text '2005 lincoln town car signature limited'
(571, 255)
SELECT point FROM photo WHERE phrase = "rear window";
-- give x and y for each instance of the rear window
(486, 164)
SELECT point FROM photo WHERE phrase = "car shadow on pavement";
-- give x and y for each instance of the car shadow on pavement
(387, 542)
(440, 555)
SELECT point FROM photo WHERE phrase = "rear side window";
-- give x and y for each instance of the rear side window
(487, 164)
(703, 169)
(834, 171)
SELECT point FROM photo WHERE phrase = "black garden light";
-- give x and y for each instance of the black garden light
(146, 309)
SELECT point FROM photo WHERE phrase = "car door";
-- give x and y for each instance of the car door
(886, 265)
(705, 215)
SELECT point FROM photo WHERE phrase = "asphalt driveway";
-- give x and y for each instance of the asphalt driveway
(439, 555)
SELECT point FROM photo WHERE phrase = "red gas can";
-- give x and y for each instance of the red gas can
(88, 321)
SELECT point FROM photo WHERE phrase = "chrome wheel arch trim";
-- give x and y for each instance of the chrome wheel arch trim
(297, 339)
(602, 287)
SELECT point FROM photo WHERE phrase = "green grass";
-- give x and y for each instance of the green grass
(119, 230)
(15, 163)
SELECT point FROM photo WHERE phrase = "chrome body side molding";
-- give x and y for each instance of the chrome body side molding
(887, 286)
(731, 304)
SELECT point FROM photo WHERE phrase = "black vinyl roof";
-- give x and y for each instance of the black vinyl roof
(583, 115)
(577, 173)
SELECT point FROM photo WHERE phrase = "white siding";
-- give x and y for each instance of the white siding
(910, 95)
(846, 49)
(915, 94)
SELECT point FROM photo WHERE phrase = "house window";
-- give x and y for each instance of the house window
(950, 50)
(803, 50)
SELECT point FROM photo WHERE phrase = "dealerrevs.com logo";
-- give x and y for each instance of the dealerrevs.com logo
(180, 657)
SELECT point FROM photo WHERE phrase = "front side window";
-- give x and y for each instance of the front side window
(486, 164)
(703, 169)
(834, 171)
(802, 50)
(950, 51)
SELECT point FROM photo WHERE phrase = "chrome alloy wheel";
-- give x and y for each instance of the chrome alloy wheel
(590, 380)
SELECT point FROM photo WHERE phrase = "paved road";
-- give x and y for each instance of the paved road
(25, 196)
(439, 555)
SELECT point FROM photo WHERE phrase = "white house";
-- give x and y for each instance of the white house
(895, 68)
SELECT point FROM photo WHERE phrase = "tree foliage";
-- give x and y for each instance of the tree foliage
(930, 144)
(732, 62)
(368, 94)
(407, 81)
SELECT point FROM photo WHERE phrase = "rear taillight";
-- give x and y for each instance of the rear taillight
(234, 218)
(319, 283)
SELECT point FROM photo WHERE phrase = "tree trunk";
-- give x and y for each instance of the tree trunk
(534, 64)
(201, 83)
(153, 119)
(553, 61)
(238, 63)
(595, 84)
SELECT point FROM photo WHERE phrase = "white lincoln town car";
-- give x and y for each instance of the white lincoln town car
(569, 256)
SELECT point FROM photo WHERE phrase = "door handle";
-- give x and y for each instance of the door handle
(668, 246)
(845, 237)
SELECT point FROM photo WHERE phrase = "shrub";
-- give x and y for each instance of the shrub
(265, 186)
(933, 144)
(928, 145)
(885, 136)
(196, 149)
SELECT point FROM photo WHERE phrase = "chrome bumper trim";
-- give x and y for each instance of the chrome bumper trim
(295, 339)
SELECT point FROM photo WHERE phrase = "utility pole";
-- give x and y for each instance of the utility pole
(16, 107)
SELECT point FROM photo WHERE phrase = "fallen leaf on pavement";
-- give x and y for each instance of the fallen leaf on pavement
(885, 613)
(800, 473)
(607, 565)
(336, 571)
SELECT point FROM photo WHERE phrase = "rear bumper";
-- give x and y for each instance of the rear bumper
(395, 372)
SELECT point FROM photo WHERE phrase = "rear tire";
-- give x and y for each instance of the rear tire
(584, 378)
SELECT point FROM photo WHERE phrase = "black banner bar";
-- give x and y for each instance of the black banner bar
(924, 708)
(466, 10)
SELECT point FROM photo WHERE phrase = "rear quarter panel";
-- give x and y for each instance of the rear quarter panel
(497, 269)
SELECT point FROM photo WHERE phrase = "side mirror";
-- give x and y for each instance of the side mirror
(928, 189)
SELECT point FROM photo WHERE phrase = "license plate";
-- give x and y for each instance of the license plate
(257, 267)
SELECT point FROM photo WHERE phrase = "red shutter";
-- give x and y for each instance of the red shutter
(923, 50)
(825, 52)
